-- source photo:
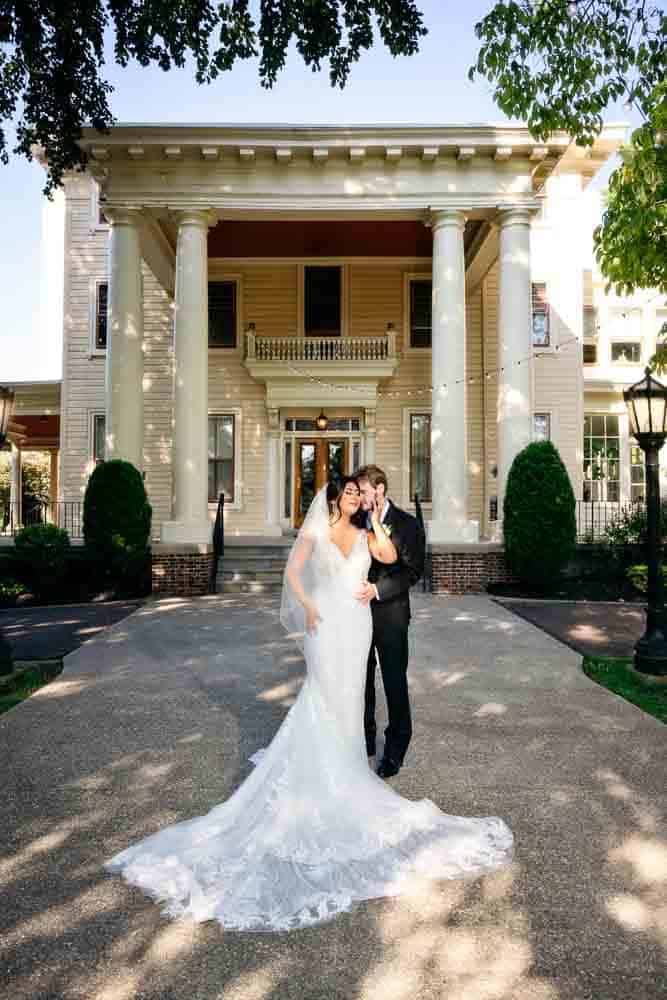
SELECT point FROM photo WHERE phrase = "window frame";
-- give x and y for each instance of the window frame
(344, 295)
(408, 278)
(549, 415)
(408, 497)
(549, 347)
(626, 340)
(93, 416)
(236, 279)
(619, 459)
(93, 349)
(237, 457)
(95, 224)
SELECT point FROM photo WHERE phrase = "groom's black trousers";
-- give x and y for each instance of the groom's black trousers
(390, 646)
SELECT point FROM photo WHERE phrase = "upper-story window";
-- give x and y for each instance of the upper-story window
(222, 313)
(626, 352)
(541, 331)
(101, 306)
(590, 322)
(421, 294)
(322, 299)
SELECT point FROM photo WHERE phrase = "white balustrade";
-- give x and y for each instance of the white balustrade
(323, 349)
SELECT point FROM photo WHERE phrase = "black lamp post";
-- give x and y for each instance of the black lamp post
(6, 410)
(646, 402)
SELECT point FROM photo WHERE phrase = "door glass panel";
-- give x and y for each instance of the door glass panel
(288, 479)
(307, 456)
(336, 459)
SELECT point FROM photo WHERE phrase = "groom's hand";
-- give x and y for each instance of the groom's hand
(367, 592)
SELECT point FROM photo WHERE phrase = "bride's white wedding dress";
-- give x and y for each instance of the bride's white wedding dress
(313, 829)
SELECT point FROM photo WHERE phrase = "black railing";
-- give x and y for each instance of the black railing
(66, 514)
(596, 517)
(218, 537)
(426, 575)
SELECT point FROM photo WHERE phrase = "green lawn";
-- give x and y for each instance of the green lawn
(615, 675)
(13, 689)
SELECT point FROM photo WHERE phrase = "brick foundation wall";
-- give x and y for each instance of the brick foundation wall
(182, 574)
(468, 569)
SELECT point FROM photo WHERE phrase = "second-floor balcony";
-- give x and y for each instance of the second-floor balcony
(349, 359)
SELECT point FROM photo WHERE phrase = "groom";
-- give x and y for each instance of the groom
(388, 592)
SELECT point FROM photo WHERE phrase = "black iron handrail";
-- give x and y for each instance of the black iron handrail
(218, 538)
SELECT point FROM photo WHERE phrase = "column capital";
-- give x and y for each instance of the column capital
(202, 217)
(450, 217)
(513, 216)
(273, 414)
(123, 215)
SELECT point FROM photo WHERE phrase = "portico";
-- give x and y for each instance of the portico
(382, 276)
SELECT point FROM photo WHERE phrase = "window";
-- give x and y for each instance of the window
(541, 333)
(541, 426)
(222, 314)
(590, 323)
(101, 305)
(420, 456)
(601, 457)
(309, 424)
(590, 354)
(322, 301)
(421, 295)
(99, 436)
(221, 457)
(626, 352)
(637, 474)
(97, 216)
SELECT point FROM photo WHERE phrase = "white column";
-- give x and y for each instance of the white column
(272, 483)
(515, 348)
(15, 487)
(449, 471)
(370, 436)
(190, 521)
(125, 329)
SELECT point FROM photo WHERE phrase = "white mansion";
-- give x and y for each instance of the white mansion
(250, 309)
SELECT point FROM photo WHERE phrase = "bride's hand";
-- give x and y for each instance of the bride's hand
(313, 617)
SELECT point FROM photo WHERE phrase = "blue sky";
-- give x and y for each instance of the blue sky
(431, 88)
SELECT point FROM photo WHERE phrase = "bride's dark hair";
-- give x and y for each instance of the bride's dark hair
(335, 488)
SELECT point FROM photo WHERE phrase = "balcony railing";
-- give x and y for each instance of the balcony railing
(66, 514)
(314, 349)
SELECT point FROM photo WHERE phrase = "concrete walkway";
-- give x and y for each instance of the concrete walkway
(153, 721)
(51, 631)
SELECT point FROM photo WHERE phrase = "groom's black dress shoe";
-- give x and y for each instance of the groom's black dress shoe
(387, 768)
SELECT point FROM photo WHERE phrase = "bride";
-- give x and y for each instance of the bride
(313, 830)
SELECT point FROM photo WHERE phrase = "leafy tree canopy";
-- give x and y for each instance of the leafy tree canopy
(52, 54)
(559, 64)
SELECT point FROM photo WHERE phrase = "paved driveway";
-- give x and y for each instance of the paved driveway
(598, 628)
(153, 721)
(48, 632)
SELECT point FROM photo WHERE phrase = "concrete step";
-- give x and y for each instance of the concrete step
(245, 576)
(247, 587)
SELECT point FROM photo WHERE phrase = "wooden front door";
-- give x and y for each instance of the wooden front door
(317, 460)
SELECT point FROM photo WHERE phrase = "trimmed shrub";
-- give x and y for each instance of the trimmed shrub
(10, 591)
(638, 577)
(41, 553)
(116, 527)
(539, 520)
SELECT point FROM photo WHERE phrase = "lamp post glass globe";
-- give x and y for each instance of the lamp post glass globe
(646, 403)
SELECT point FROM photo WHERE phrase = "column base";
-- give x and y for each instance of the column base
(187, 532)
(444, 532)
(273, 530)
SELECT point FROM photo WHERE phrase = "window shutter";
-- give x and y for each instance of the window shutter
(222, 314)
(421, 294)
(322, 301)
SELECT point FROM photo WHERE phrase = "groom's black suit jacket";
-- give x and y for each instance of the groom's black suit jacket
(393, 580)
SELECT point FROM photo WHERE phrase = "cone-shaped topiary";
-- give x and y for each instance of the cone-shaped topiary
(117, 523)
(539, 521)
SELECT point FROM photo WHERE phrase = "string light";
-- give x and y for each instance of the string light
(397, 393)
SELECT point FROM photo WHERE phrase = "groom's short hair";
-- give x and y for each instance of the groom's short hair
(374, 474)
